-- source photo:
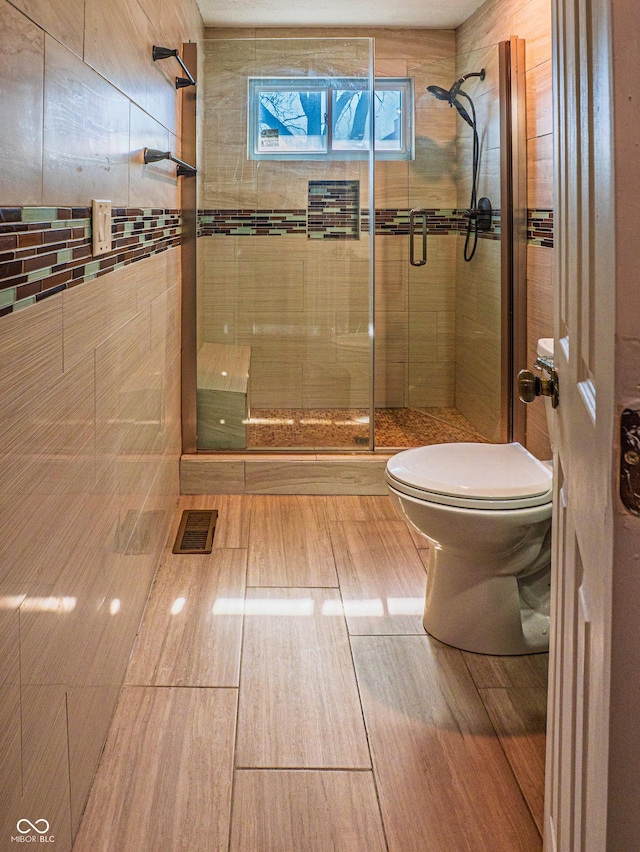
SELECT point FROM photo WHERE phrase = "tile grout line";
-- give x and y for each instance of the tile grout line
(237, 718)
(355, 676)
(499, 740)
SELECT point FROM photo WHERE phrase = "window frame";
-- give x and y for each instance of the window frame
(329, 85)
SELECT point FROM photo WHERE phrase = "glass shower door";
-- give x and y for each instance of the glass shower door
(285, 252)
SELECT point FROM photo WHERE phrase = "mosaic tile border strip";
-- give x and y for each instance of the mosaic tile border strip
(44, 250)
(440, 222)
(540, 228)
(252, 223)
(332, 221)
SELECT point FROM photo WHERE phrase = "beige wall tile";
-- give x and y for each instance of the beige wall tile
(21, 81)
(533, 23)
(390, 385)
(102, 540)
(432, 287)
(86, 133)
(392, 183)
(38, 332)
(256, 289)
(95, 310)
(156, 184)
(341, 385)
(392, 335)
(492, 22)
(428, 72)
(431, 384)
(63, 20)
(423, 336)
(414, 44)
(90, 712)
(57, 462)
(45, 765)
(10, 733)
(275, 384)
(293, 336)
(540, 172)
(539, 100)
(131, 69)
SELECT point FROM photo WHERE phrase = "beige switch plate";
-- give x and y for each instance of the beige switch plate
(101, 226)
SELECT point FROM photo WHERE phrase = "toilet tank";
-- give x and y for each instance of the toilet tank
(545, 353)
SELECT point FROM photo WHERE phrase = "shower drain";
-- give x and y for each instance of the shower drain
(195, 533)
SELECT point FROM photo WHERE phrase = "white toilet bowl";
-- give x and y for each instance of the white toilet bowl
(486, 511)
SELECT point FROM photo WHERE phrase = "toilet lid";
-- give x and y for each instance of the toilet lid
(492, 472)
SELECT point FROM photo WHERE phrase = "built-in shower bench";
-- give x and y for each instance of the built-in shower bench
(222, 396)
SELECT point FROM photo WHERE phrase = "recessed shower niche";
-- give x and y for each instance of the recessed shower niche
(338, 341)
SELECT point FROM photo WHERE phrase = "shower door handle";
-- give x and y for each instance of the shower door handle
(414, 214)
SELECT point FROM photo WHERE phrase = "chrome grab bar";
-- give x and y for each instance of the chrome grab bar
(413, 215)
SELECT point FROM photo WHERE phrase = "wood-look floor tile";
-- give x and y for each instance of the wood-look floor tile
(192, 627)
(165, 777)
(443, 780)
(289, 811)
(234, 513)
(299, 705)
(529, 670)
(290, 543)
(348, 508)
(519, 717)
(381, 577)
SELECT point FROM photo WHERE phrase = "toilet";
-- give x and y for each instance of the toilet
(486, 511)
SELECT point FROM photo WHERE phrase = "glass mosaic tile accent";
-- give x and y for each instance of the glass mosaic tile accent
(44, 250)
(333, 217)
(540, 228)
(333, 210)
(251, 223)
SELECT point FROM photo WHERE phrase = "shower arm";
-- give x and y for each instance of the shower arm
(151, 155)
(165, 53)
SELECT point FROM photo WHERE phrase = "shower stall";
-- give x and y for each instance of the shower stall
(315, 332)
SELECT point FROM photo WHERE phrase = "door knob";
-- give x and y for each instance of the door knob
(530, 386)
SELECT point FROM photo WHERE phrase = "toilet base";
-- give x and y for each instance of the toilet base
(509, 624)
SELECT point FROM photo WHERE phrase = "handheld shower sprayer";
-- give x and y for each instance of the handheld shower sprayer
(479, 212)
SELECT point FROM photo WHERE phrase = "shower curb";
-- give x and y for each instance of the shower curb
(352, 473)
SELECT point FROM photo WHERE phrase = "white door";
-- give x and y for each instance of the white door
(593, 756)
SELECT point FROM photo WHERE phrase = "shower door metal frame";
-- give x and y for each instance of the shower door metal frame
(189, 204)
(513, 228)
(188, 254)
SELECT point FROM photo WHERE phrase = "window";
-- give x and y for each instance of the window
(319, 118)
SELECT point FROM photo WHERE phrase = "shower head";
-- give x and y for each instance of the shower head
(451, 96)
(439, 92)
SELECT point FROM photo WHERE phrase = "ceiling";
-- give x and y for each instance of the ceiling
(435, 14)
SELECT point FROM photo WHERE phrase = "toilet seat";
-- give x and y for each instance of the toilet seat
(494, 477)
